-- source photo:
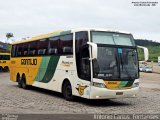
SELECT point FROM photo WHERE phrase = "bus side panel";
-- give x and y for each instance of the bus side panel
(45, 76)
(28, 66)
(58, 69)
(4, 63)
(65, 70)
(31, 70)
(13, 69)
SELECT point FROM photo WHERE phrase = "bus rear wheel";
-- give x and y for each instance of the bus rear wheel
(67, 91)
(23, 81)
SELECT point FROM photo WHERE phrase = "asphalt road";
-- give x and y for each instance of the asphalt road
(39, 101)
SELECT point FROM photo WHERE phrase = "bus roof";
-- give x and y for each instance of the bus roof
(61, 32)
(4, 53)
(100, 29)
(34, 38)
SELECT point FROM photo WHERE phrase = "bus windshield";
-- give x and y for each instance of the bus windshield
(4, 57)
(112, 38)
(116, 63)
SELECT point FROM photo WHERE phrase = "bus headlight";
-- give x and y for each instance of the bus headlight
(100, 85)
(135, 84)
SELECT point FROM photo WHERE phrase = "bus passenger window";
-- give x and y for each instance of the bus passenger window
(67, 50)
(19, 50)
(19, 53)
(33, 48)
(42, 52)
(25, 53)
(66, 44)
(53, 45)
(53, 51)
(13, 53)
(32, 52)
(25, 49)
(42, 47)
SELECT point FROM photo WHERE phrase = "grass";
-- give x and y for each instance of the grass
(154, 52)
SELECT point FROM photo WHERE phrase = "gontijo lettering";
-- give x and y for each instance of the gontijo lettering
(28, 61)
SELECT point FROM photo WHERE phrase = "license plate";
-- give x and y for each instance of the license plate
(119, 93)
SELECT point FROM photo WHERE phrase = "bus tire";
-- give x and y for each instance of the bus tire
(5, 69)
(0, 68)
(23, 80)
(19, 81)
(67, 91)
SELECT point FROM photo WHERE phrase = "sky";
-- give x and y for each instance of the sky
(27, 18)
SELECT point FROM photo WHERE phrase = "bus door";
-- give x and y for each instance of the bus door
(83, 72)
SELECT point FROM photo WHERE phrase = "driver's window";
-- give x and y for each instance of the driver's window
(85, 64)
(82, 55)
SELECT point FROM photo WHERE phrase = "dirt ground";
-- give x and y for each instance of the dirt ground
(39, 101)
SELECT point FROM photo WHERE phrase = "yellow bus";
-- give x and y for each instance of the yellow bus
(4, 61)
(89, 63)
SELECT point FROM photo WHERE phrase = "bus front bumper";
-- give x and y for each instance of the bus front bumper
(104, 93)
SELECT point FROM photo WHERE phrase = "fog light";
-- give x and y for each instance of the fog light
(97, 96)
(135, 84)
(135, 95)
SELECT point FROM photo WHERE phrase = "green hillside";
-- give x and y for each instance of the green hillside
(153, 47)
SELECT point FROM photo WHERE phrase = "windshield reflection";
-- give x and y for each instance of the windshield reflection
(129, 65)
(112, 64)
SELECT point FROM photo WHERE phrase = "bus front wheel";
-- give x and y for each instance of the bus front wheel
(67, 91)
(5, 69)
(19, 82)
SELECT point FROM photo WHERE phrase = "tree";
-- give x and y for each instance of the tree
(8, 36)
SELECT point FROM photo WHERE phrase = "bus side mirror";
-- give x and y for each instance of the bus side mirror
(146, 53)
(94, 49)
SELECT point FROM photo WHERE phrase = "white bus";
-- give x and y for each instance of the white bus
(89, 63)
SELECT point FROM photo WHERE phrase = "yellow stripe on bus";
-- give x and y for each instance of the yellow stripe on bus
(112, 84)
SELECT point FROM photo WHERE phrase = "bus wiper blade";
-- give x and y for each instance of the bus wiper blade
(121, 61)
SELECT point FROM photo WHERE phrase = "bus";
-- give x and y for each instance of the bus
(88, 63)
(4, 61)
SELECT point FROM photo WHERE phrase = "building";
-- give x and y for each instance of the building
(3, 46)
